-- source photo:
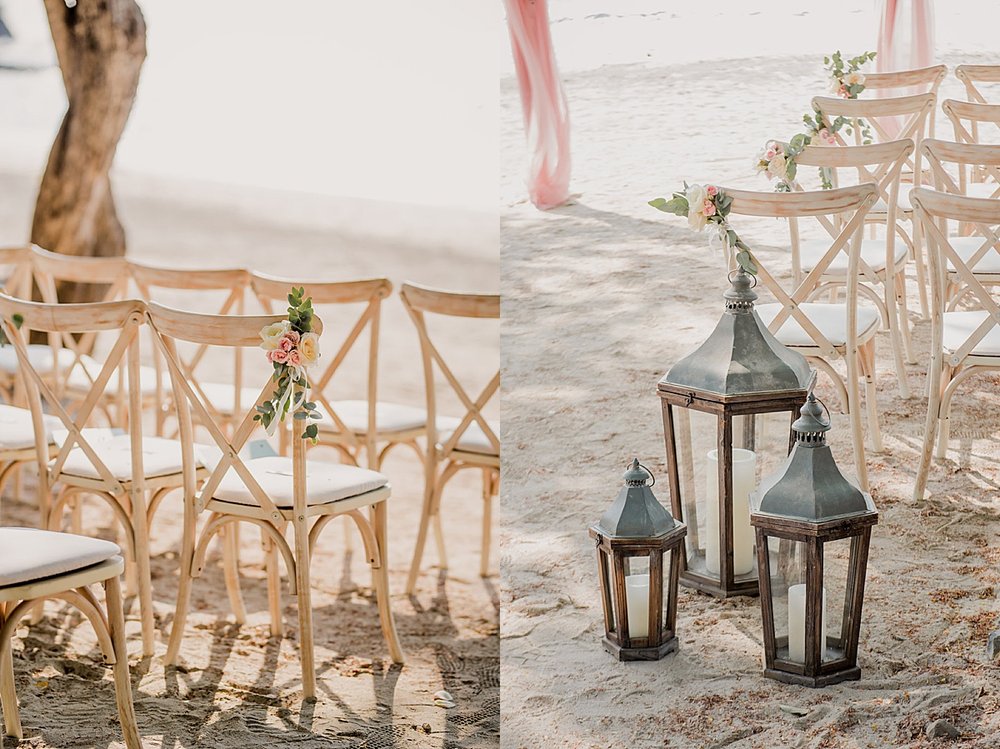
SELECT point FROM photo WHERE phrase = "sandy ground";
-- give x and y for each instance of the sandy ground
(600, 298)
(238, 688)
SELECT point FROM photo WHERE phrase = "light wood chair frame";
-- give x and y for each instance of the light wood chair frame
(929, 78)
(935, 210)
(879, 164)
(307, 521)
(126, 498)
(16, 601)
(858, 351)
(960, 112)
(970, 75)
(375, 445)
(420, 301)
(915, 111)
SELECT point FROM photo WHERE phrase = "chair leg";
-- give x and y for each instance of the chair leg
(76, 515)
(304, 605)
(143, 573)
(425, 518)
(273, 585)
(231, 568)
(484, 557)
(8, 695)
(922, 281)
(896, 322)
(948, 374)
(183, 585)
(123, 686)
(866, 354)
(854, 413)
(381, 579)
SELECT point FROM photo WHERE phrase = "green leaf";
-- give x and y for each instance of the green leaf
(745, 259)
(790, 169)
(798, 141)
(17, 319)
(300, 416)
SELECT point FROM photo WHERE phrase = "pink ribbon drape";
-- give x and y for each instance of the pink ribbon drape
(543, 102)
(905, 42)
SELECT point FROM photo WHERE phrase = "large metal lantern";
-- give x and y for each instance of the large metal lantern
(639, 557)
(813, 530)
(727, 409)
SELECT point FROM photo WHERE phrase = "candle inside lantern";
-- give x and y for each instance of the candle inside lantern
(637, 604)
(744, 465)
(797, 623)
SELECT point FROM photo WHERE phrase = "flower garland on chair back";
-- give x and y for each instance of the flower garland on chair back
(777, 159)
(704, 205)
(292, 348)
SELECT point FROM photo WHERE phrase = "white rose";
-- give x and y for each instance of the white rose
(854, 79)
(271, 334)
(696, 196)
(776, 169)
(309, 349)
(834, 85)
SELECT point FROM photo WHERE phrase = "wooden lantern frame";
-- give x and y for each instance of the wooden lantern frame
(815, 672)
(611, 554)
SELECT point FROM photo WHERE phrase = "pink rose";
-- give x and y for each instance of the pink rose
(769, 154)
(844, 93)
(712, 191)
(289, 341)
(294, 358)
(708, 208)
(277, 356)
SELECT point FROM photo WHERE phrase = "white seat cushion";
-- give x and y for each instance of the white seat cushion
(811, 251)
(902, 201)
(16, 430)
(222, 397)
(160, 457)
(40, 356)
(958, 326)
(472, 440)
(966, 247)
(325, 482)
(981, 189)
(389, 417)
(30, 554)
(830, 319)
(78, 379)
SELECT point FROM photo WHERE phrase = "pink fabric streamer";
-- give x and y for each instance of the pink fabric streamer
(543, 102)
(905, 42)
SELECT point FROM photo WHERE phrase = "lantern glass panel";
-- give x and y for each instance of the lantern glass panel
(787, 561)
(836, 567)
(767, 436)
(608, 581)
(637, 595)
(696, 434)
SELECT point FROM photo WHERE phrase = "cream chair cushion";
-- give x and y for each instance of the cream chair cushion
(389, 417)
(829, 319)
(16, 430)
(811, 251)
(160, 457)
(472, 440)
(966, 247)
(958, 326)
(30, 554)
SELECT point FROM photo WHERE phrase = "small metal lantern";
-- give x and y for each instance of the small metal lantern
(639, 560)
(727, 409)
(813, 530)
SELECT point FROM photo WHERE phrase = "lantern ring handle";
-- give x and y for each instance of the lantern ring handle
(651, 476)
(740, 270)
(826, 408)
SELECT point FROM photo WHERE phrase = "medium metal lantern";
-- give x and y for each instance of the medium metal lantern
(813, 529)
(639, 549)
(727, 411)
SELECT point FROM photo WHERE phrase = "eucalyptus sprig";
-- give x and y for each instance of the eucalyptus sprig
(18, 321)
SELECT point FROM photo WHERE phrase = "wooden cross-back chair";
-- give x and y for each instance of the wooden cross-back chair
(225, 400)
(357, 426)
(127, 471)
(980, 182)
(75, 367)
(882, 263)
(468, 442)
(17, 278)
(907, 82)
(38, 565)
(270, 492)
(963, 342)
(824, 332)
(914, 113)
(970, 75)
(979, 252)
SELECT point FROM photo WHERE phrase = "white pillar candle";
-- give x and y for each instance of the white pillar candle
(744, 465)
(637, 604)
(797, 623)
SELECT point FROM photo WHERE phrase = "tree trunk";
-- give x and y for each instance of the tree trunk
(100, 45)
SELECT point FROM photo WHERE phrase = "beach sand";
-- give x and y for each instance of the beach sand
(600, 298)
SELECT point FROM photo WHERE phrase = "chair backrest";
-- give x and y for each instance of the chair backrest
(961, 113)
(934, 210)
(273, 292)
(192, 285)
(966, 157)
(171, 326)
(913, 113)
(123, 318)
(421, 301)
(906, 82)
(853, 203)
(970, 75)
(880, 164)
(15, 271)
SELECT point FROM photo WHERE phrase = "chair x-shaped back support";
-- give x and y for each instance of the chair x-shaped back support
(970, 75)
(935, 209)
(420, 301)
(854, 202)
(903, 82)
(126, 498)
(370, 292)
(960, 112)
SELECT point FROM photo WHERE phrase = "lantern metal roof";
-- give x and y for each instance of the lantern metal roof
(636, 512)
(741, 356)
(809, 486)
